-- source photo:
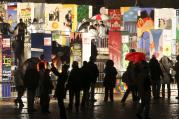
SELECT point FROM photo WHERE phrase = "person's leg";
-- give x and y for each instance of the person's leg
(140, 109)
(83, 100)
(106, 94)
(126, 94)
(92, 92)
(77, 100)
(111, 94)
(158, 85)
(71, 96)
(163, 90)
(177, 81)
(169, 91)
(61, 106)
(154, 89)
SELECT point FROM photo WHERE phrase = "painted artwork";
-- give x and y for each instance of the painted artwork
(167, 42)
(12, 14)
(177, 31)
(0, 57)
(145, 21)
(164, 18)
(156, 47)
(115, 21)
(114, 44)
(3, 11)
(129, 15)
(39, 12)
(76, 48)
(25, 11)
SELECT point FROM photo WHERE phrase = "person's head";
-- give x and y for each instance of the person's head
(85, 63)
(35, 20)
(42, 57)
(153, 56)
(132, 50)
(75, 64)
(93, 41)
(110, 63)
(92, 59)
(20, 20)
(177, 58)
(41, 66)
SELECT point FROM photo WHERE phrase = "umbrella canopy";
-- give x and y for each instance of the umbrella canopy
(101, 17)
(135, 57)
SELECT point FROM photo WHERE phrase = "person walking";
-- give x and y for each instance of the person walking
(176, 68)
(93, 74)
(109, 79)
(45, 91)
(143, 84)
(130, 82)
(19, 83)
(156, 73)
(31, 81)
(74, 86)
(60, 91)
(85, 85)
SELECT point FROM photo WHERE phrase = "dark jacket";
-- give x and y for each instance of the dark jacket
(85, 78)
(31, 79)
(93, 72)
(74, 80)
(110, 76)
(155, 69)
(176, 68)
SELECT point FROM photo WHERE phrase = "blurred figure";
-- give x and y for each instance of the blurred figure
(176, 68)
(31, 81)
(45, 90)
(19, 83)
(74, 86)
(102, 34)
(130, 82)
(93, 75)
(42, 62)
(85, 85)
(94, 51)
(166, 64)
(4, 28)
(22, 30)
(60, 91)
(155, 72)
(143, 84)
(109, 79)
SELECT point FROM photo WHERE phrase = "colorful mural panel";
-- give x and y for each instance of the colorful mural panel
(12, 14)
(115, 21)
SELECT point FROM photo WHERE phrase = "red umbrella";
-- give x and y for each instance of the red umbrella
(135, 57)
(100, 17)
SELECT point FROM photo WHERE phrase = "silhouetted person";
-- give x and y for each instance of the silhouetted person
(176, 68)
(22, 30)
(31, 80)
(85, 85)
(74, 85)
(143, 84)
(4, 28)
(93, 75)
(130, 82)
(45, 90)
(94, 51)
(42, 61)
(19, 83)
(60, 91)
(109, 79)
(155, 72)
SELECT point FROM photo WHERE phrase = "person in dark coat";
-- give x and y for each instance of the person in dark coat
(93, 74)
(60, 91)
(130, 82)
(45, 90)
(85, 85)
(31, 81)
(176, 68)
(109, 79)
(143, 84)
(74, 86)
(155, 72)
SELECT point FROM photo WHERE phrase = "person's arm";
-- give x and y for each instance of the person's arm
(54, 70)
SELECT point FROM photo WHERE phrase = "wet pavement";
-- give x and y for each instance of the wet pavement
(163, 108)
